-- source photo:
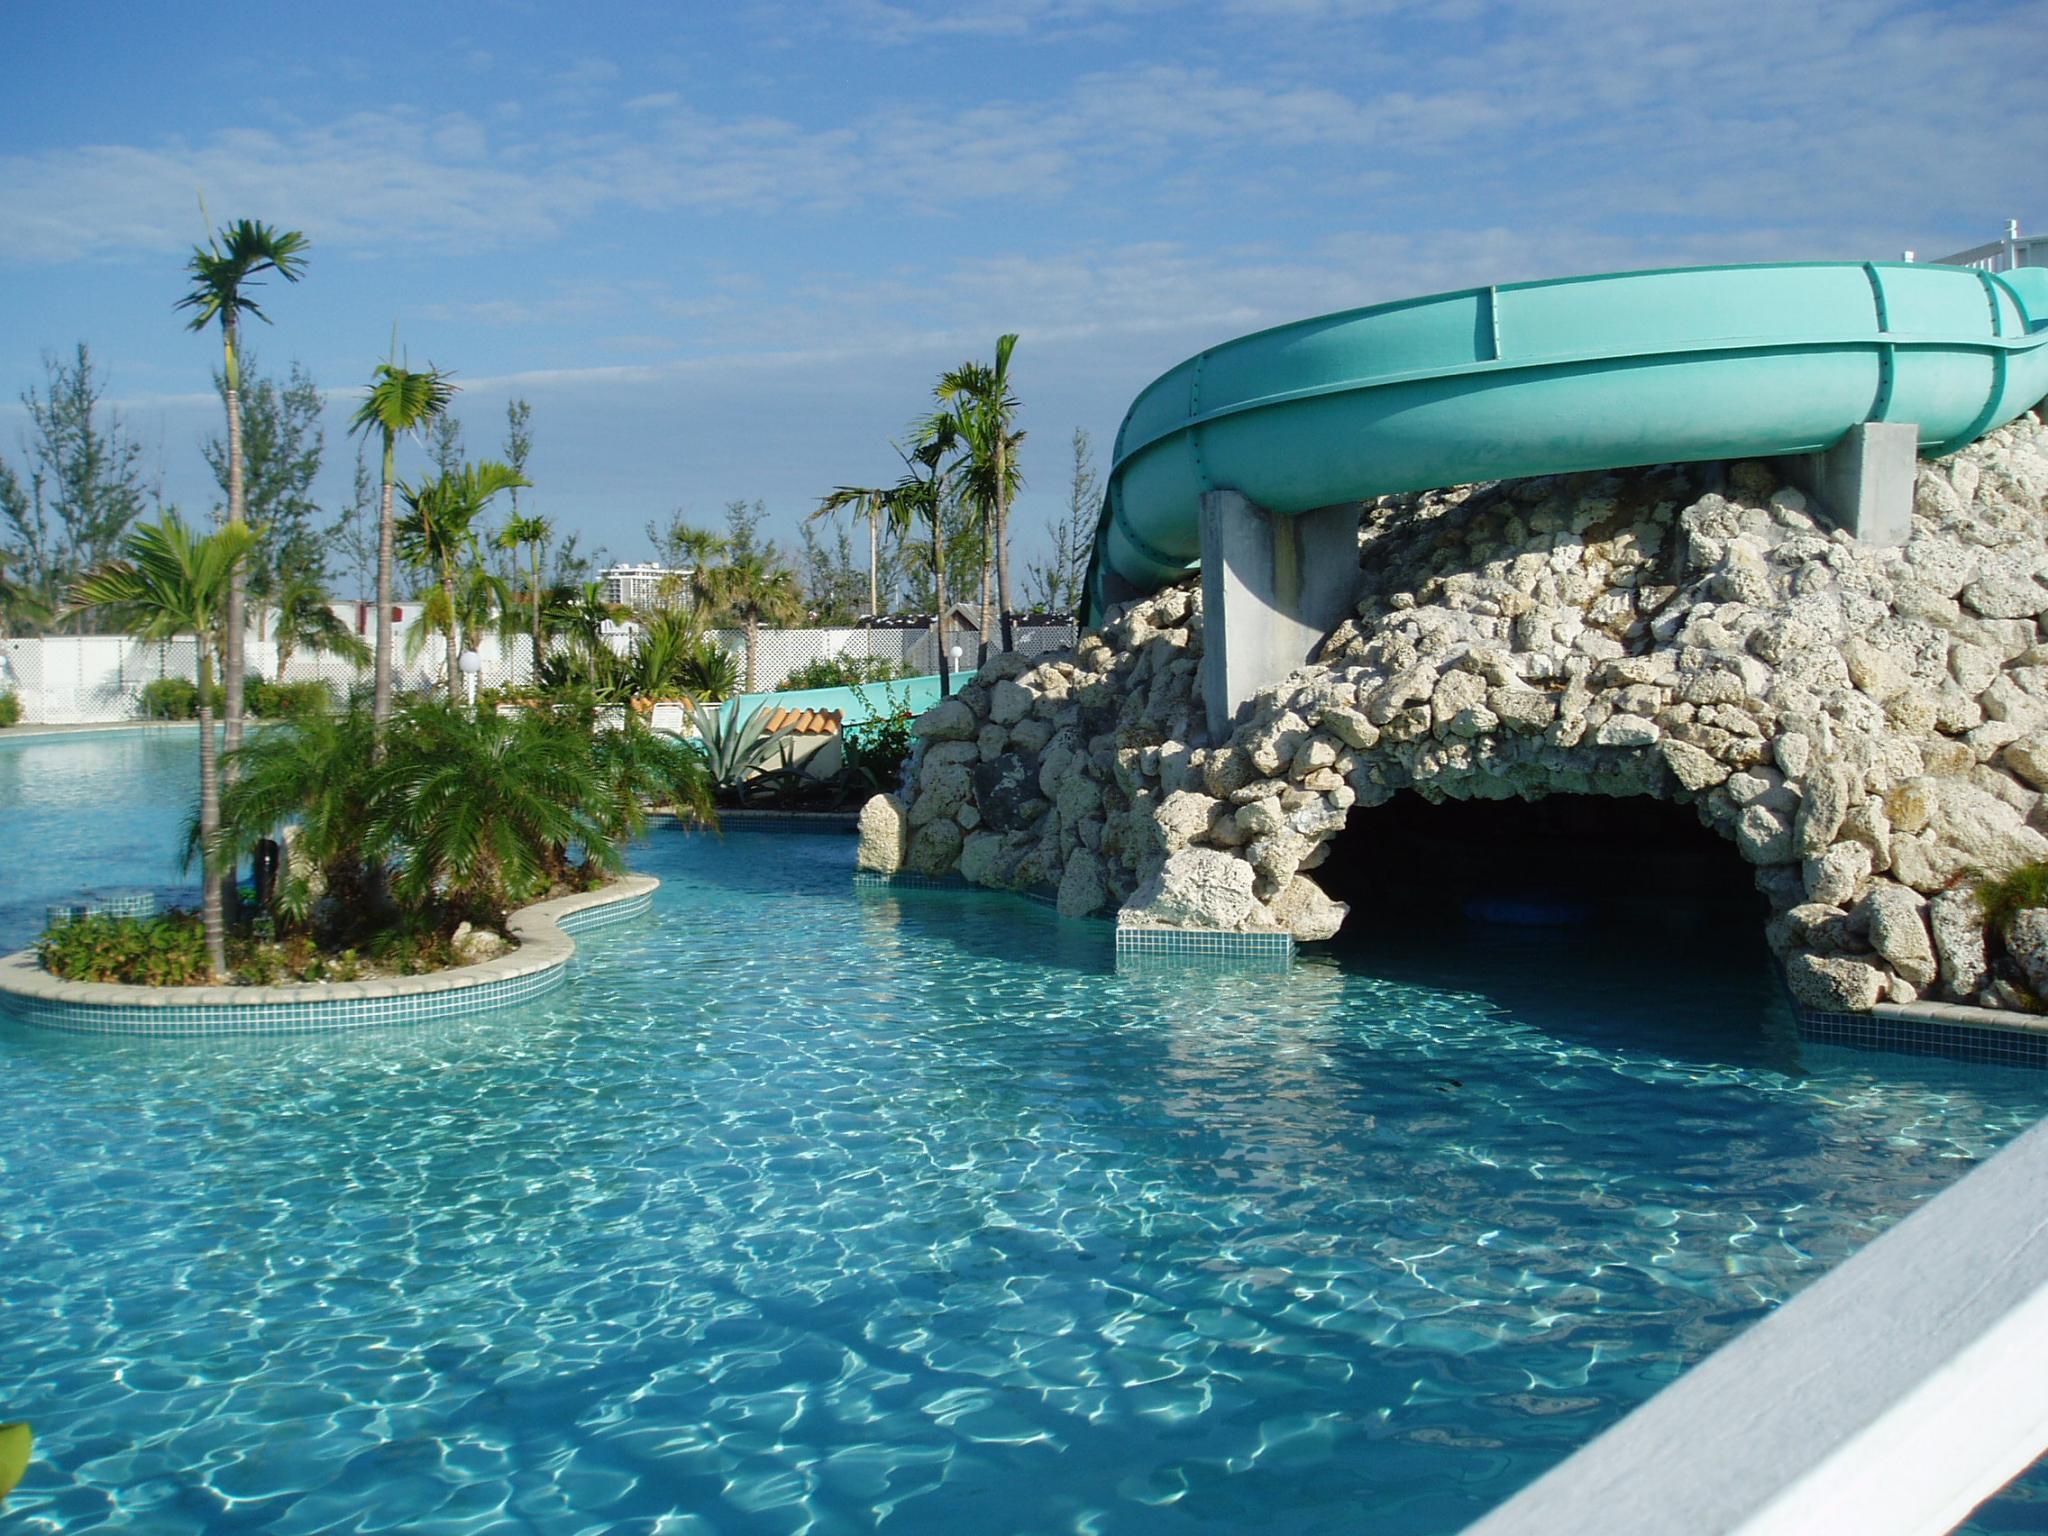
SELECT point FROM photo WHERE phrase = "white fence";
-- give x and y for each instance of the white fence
(95, 679)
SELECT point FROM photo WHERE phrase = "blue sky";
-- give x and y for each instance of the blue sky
(724, 249)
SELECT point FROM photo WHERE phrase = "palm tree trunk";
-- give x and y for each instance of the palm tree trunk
(874, 565)
(1003, 546)
(454, 652)
(533, 662)
(380, 709)
(212, 904)
(981, 646)
(939, 591)
(753, 633)
(231, 658)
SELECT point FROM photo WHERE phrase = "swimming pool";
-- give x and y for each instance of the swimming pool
(809, 1209)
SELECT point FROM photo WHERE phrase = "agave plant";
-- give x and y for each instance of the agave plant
(735, 747)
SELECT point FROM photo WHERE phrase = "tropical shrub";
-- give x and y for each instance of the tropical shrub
(842, 672)
(320, 778)
(165, 951)
(10, 709)
(708, 672)
(176, 698)
(735, 747)
(876, 747)
(287, 701)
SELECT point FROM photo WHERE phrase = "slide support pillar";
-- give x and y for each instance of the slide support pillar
(1272, 588)
(1864, 484)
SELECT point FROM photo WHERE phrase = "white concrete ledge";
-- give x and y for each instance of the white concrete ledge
(1889, 1398)
(29, 992)
(1963, 1014)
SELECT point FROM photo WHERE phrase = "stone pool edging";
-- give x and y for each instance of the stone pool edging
(32, 995)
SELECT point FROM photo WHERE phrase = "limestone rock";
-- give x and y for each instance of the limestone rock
(1837, 877)
(948, 720)
(1957, 925)
(1006, 791)
(934, 848)
(473, 945)
(1183, 817)
(884, 835)
(941, 791)
(1834, 983)
(1890, 915)
(1083, 888)
(980, 857)
(1195, 888)
(1305, 911)
(1008, 703)
(2026, 940)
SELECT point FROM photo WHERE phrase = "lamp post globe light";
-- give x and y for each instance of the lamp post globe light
(471, 664)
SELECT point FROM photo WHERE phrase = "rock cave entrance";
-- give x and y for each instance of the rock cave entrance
(1634, 872)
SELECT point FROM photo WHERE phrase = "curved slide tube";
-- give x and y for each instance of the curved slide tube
(1554, 377)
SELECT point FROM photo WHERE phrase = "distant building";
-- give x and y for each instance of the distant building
(645, 586)
(2015, 250)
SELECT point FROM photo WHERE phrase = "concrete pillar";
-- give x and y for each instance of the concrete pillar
(1272, 588)
(1864, 484)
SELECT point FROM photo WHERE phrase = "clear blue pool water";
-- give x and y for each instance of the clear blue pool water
(804, 1209)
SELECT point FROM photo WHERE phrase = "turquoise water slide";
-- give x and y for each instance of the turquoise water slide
(1553, 377)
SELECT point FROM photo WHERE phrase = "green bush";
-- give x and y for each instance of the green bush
(170, 698)
(10, 709)
(842, 672)
(166, 951)
(286, 701)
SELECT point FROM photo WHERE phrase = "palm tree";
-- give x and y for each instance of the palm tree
(230, 262)
(313, 776)
(700, 547)
(171, 582)
(483, 605)
(869, 503)
(399, 400)
(986, 410)
(439, 528)
(307, 622)
(534, 533)
(755, 588)
(920, 496)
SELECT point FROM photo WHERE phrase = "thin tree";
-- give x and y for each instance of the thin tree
(222, 270)
(400, 400)
(867, 502)
(920, 496)
(439, 529)
(532, 533)
(172, 582)
(306, 622)
(986, 410)
(756, 588)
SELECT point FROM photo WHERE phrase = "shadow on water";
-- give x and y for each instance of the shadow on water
(1607, 921)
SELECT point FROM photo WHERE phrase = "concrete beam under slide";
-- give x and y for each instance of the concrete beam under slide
(1272, 588)
(1864, 484)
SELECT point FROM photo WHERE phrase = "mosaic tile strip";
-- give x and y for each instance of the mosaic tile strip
(1134, 939)
(1931, 1029)
(867, 879)
(789, 821)
(540, 965)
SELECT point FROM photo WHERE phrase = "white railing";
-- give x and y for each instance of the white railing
(1889, 1398)
(2014, 251)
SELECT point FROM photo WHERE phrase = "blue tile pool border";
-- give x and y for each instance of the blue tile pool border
(30, 995)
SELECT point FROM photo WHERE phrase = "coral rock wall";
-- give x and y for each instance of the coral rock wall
(1868, 728)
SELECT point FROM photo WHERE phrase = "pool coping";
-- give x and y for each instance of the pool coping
(32, 995)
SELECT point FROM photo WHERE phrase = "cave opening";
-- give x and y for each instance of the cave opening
(1566, 905)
